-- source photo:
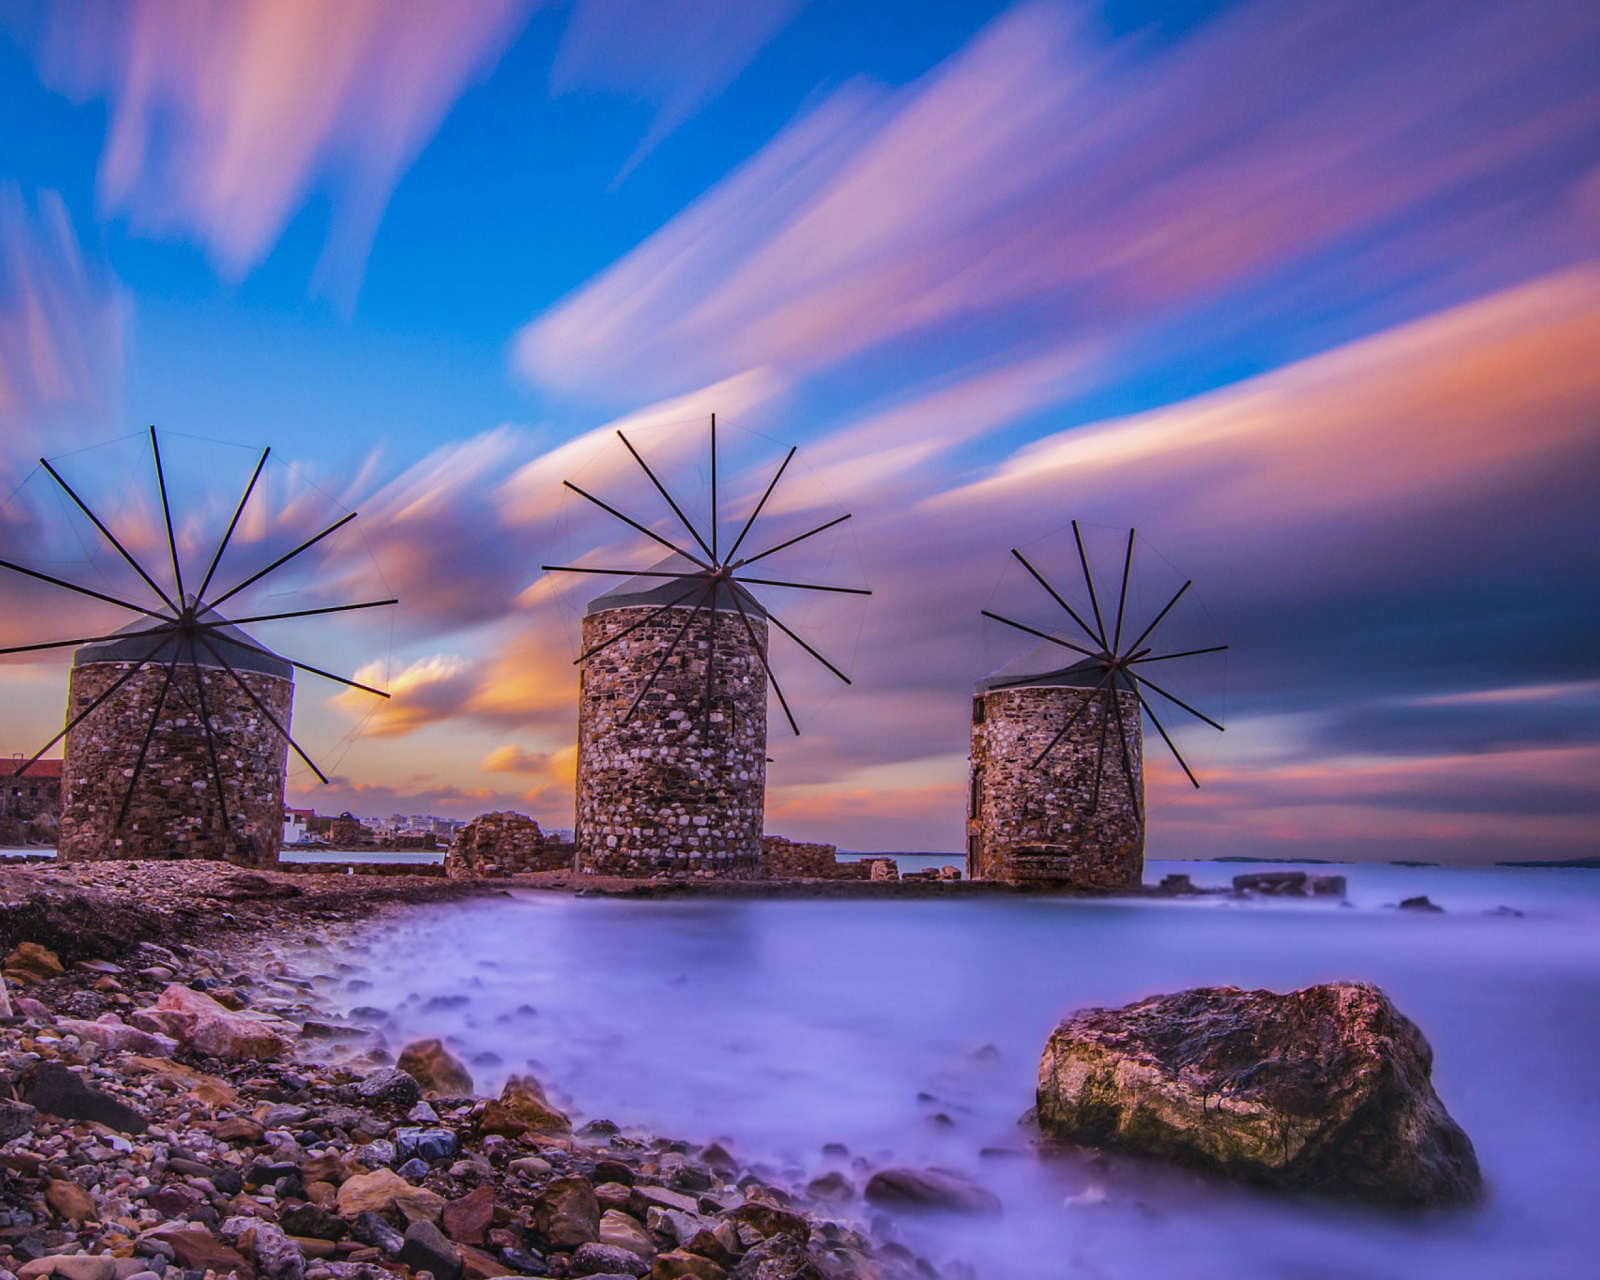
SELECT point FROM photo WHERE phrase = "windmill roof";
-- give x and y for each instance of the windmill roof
(654, 592)
(43, 770)
(1047, 664)
(142, 638)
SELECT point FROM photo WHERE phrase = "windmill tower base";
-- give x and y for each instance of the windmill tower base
(665, 792)
(174, 812)
(1044, 824)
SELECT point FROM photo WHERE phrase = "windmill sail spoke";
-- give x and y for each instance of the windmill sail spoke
(1171, 746)
(211, 739)
(777, 622)
(714, 495)
(1179, 701)
(1127, 757)
(1166, 609)
(765, 665)
(259, 705)
(808, 586)
(662, 489)
(283, 559)
(1071, 720)
(82, 591)
(166, 511)
(205, 628)
(308, 613)
(1043, 635)
(771, 485)
(1122, 599)
(711, 668)
(1187, 653)
(110, 537)
(89, 710)
(233, 524)
(629, 520)
(67, 644)
(667, 656)
(1056, 596)
(630, 629)
(619, 573)
(821, 528)
(144, 746)
(1106, 691)
(1088, 578)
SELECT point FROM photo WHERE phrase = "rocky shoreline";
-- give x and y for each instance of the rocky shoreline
(170, 1109)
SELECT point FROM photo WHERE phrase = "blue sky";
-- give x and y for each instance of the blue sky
(1301, 292)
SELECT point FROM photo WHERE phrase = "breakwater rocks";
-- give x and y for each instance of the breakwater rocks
(1325, 1090)
(164, 1116)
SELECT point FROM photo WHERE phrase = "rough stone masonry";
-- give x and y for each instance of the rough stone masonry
(670, 791)
(1028, 825)
(175, 811)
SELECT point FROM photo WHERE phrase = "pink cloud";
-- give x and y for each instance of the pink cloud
(226, 114)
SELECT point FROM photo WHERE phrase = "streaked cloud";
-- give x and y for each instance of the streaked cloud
(227, 115)
(423, 692)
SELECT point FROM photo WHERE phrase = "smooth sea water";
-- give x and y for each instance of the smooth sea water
(910, 1031)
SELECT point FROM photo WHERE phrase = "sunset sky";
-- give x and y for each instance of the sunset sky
(1308, 293)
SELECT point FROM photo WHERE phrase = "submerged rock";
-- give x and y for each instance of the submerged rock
(436, 1069)
(1326, 1089)
(936, 1189)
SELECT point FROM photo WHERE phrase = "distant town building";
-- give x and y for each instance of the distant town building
(30, 803)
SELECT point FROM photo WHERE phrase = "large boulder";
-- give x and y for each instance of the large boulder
(436, 1069)
(522, 1108)
(205, 1026)
(1326, 1090)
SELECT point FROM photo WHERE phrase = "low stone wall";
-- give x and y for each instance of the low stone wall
(784, 859)
(499, 844)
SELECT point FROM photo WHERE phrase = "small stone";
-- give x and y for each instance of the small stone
(604, 1259)
(425, 1144)
(312, 1220)
(435, 1069)
(567, 1214)
(53, 1089)
(426, 1249)
(522, 1108)
(69, 1201)
(466, 1220)
(79, 1266)
(38, 960)
(369, 1228)
(383, 1190)
(239, 1129)
(621, 1231)
(680, 1263)
(390, 1087)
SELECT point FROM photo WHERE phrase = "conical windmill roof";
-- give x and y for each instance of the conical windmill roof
(128, 645)
(655, 592)
(1049, 665)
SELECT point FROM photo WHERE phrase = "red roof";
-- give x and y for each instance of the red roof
(42, 769)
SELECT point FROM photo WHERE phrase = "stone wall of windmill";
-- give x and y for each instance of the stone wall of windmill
(174, 812)
(1042, 825)
(657, 794)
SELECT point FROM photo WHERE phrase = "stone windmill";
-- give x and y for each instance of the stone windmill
(177, 731)
(1056, 791)
(675, 668)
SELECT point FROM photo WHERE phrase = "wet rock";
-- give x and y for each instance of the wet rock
(69, 1201)
(207, 1027)
(239, 1129)
(51, 1088)
(196, 1249)
(390, 1087)
(771, 1219)
(1275, 884)
(312, 1220)
(680, 1263)
(369, 1229)
(621, 1231)
(567, 1214)
(832, 1187)
(932, 1189)
(426, 1249)
(605, 1259)
(783, 1258)
(277, 1257)
(425, 1144)
(1327, 1089)
(413, 1170)
(1419, 903)
(436, 1069)
(522, 1108)
(70, 1267)
(466, 1221)
(16, 1119)
(111, 1032)
(384, 1190)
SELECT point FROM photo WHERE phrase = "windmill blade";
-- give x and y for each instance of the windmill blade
(67, 644)
(777, 622)
(714, 559)
(821, 528)
(87, 711)
(1122, 600)
(283, 559)
(1105, 691)
(618, 573)
(1179, 701)
(1150, 711)
(1127, 757)
(110, 537)
(711, 667)
(211, 738)
(667, 656)
(1056, 596)
(1071, 720)
(771, 485)
(1187, 653)
(808, 586)
(144, 746)
(1088, 578)
(631, 628)
(765, 665)
(630, 521)
(662, 489)
(82, 591)
(1145, 634)
(233, 524)
(166, 511)
(259, 705)
(1043, 635)
(308, 613)
(204, 627)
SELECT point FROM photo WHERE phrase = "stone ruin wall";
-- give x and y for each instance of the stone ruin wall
(654, 796)
(175, 812)
(30, 805)
(784, 859)
(1034, 826)
(496, 844)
